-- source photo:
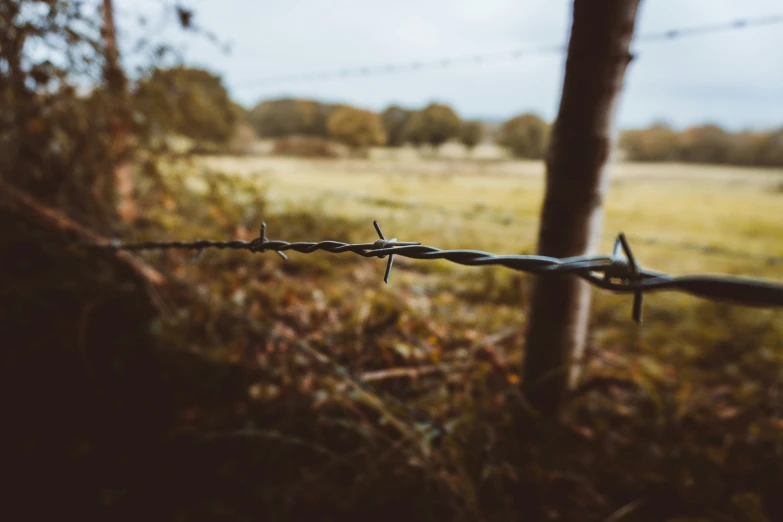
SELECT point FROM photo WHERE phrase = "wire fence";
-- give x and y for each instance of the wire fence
(514, 54)
(618, 272)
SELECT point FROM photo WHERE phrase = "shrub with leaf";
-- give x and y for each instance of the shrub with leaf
(435, 124)
(356, 128)
(526, 136)
(189, 102)
(471, 134)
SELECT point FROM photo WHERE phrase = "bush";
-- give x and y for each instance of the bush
(190, 102)
(471, 133)
(658, 143)
(704, 144)
(436, 124)
(527, 136)
(290, 117)
(394, 120)
(356, 128)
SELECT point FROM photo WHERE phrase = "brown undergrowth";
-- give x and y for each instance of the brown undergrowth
(228, 392)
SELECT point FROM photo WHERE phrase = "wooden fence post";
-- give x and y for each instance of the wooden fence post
(576, 179)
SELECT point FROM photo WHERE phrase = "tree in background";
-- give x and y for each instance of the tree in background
(241, 115)
(356, 128)
(277, 118)
(435, 124)
(471, 134)
(771, 150)
(291, 117)
(316, 115)
(394, 119)
(190, 102)
(705, 144)
(244, 137)
(656, 143)
(526, 135)
(413, 131)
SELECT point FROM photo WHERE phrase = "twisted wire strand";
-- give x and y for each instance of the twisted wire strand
(513, 54)
(620, 273)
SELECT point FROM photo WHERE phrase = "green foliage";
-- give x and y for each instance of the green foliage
(67, 120)
(241, 115)
(704, 144)
(394, 120)
(471, 134)
(527, 136)
(189, 102)
(276, 118)
(315, 115)
(413, 132)
(658, 143)
(356, 128)
(54, 142)
(435, 124)
(290, 117)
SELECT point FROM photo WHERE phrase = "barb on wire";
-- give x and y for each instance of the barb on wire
(616, 273)
(638, 296)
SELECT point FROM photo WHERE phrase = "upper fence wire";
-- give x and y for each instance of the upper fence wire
(514, 54)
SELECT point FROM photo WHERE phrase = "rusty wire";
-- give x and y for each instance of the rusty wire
(619, 272)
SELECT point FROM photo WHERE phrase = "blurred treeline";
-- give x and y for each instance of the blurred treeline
(525, 135)
(704, 144)
(433, 125)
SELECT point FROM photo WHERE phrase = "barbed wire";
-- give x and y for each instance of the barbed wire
(514, 54)
(618, 272)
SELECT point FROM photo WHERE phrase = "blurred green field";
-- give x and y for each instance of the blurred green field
(494, 206)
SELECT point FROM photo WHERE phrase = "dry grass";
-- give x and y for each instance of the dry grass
(495, 205)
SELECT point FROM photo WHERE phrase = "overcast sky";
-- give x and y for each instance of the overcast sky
(732, 78)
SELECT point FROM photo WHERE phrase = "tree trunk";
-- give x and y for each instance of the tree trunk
(576, 179)
(116, 84)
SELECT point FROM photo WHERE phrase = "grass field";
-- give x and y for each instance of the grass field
(668, 211)
(494, 206)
